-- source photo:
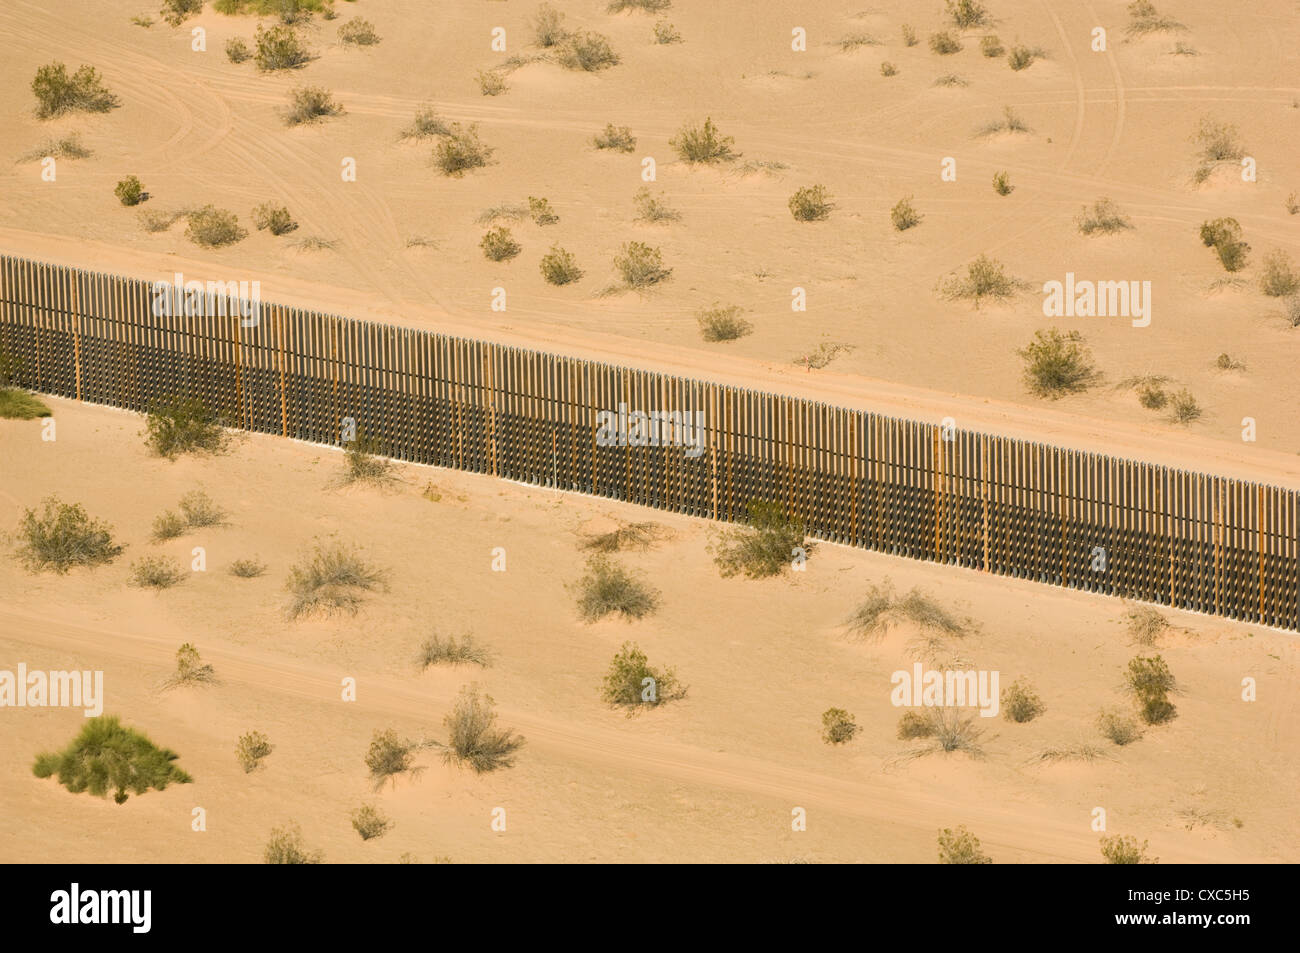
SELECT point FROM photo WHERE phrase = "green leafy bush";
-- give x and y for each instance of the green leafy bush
(632, 683)
(1057, 363)
(108, 756)
(58, 93)
(130, 191)
(838, 726)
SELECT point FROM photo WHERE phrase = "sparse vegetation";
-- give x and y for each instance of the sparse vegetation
(108, 756)
(473, 738)
(491, 83)
(618, 138)
(451, 650)
(548, 29)
(237, 50)
(1010, 122)
(156, 572)
(633, 684)
(57, 93)
(130, 191)
(274, 219)
(1225, 362)
(1104, 216)
(1217, 143)
(1124, 849)
(644, 6)
(20, 405)
(1145, 624)
(913, 725)
(247, 568)
(499, 245)
(951, 79)
(309, 104)
(811, 204)
(541, 211)
(960, 846)
(1151, 394)
(190, 669)
(1278, 277)
(1119, 728)
(212, 227)
(64, 147)
(159, 220)
(909, 35)
(61, 536)
(589, 52)
(1224, 236)
(945, 43)
(991, 47)
(180, 424)
(286, 847)
(199, 510)
(881, 610)
(1023, 57)
(279, 48)
(334, 579)
(1145, 19)
(252, 748)
(1151, 682)
(358, 32)
(854, 41)
(653, 208)
(607, 588)
(363, 462)
(985, 278)
(966, 14)
(1020, 703)
(904, 215)
(666, 33)
(460, 150)
(369, 822)
(703, 144)
(630, 536)
(838, 726)
(176, 12)
(388, 757)
(764, 545)
(888, 69)
(1292, 204)
(1057, 363)
(950, 729)
(1184, 408)
(822, 355)
(1002, 183)
(640, 265)
(560, 267)
(722, 323)
(425, 125)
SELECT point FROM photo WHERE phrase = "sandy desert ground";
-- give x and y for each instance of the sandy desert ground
(713, 776)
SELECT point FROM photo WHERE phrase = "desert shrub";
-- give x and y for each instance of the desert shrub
(363, 462)
(645, 6)
(1224, 362)
(945, 43)
(247, 568)
(1022, 57)
(1146, 20)
(460, 150)
(722, 324)
(608, 588)
(61, 536)
(1217, 141)
(838, 726)
(1151, 681)
(547, 28)
(1224, 236)
(156, 572)
(333, 579)
(1151, 395)
(168, 525)
(967, 13)
(279, 48)
(1057, 363)
(640, 265)
(273, 218)
(822, 355)
(1292, 204)
(314, 243)
(20, 405)
(632, 683)
(908, 34)
(585, 51)
(177, 12)
(951, 79)
(1104, 217)
(652, 208)
(143, 20)
(473, 739)
(1120, 728)
(666, 33)
(499, 245)
(904, 215)
(190, 669)
(63, 147)
(761, 547)
(108, 756)
(703, 144)
(198, 509)
(450, 650)
(913, 725)
(1293, 311)
(159, 220)
(491, 83)
(251, 748)
(1002, 184)
(888, 69)
(369, 822)
(212, 227)
(58, 93)
(560, 267)
(985, 278)
(811, 204)
(425, 125)
(637, 536)
(960, 846)
(954, 731)
(618, 138)
(130, 191)
(1183, 49)
(1278, 277)
(1184, 408)
(1123, 849)
(880, 610)
(389, 756)
(180, 424)
(286, 847)
(1145, 624)
(308, 104)
(855, 40)
(1020, 703)
(541, 211)
(509, 211)
(358, 32)
(237, 50)
(991, 47)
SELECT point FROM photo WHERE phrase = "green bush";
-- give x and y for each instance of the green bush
(838, 726)
(61, 536)
(1057, 363)
(107, 756)
(499, 245)
(334, 579)
(764, 546)
(703, 144)
(589, 52)
(960, 846)
(1151, 681)
(286, 847)
(274, 219)
(1020, 703)
(130, 191)
(722, 324)
(1151, 395)
(811, 204)
(19, 405)
(1224, 236)
(473, 738)
(251, 749)
(211, 227)
(279, 48)
(618, 138)
(308, 104)
(641, 265)
(1125, 850)
(179, 424)
(633, 684)
(904, 215)
(608, 588)
(460, 150)
(58, 93)
(559, 267)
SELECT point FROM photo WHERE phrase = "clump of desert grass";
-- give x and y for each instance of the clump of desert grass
(888, 69)
(617, 138)
(854, 41)
(1057, 754)
(1183, 49)
(652, 208)
(1226, 362)
(67, 146)
(1184, 408)
(904, 215)
(286, 847)
(1123, 849)
(156, 572)
(190, 669)
(334, 579)
(390, 756)
(560, 267)
(506, 211)
(943, 731)
(1293, 311)
(473, 740)
(107, 756)
(1144, 19)
(766, 167)
(722, 323)
(451, 650)
(986, 279)
(370, 822)
(364, 464)
(630, 537)
(908, 34)
(633, 684)
(967, 14)
(197, 510)
(703, 144)
(1224, 236)
(960, 846)
(1150, 389)
(460, 150)
(1057, 363)
(311, 104)
(1002, 183)
(1010, 122)
(19, 405)
(61, 536)
(882, 609)
(1150, 681)
(1103, 217)
(58, 93)
(314, 243)
(991, 47)
(425, 124)
(822, 354)
(606, 588)
(548, 27)
(212, 227)
(641, 266)
(252, 748)
(945, 43)
(638, 6)
(237, 50)
(764, 545)
(181, 424)
(155, 220)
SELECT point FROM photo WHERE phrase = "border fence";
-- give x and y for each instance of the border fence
(1066, 517)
